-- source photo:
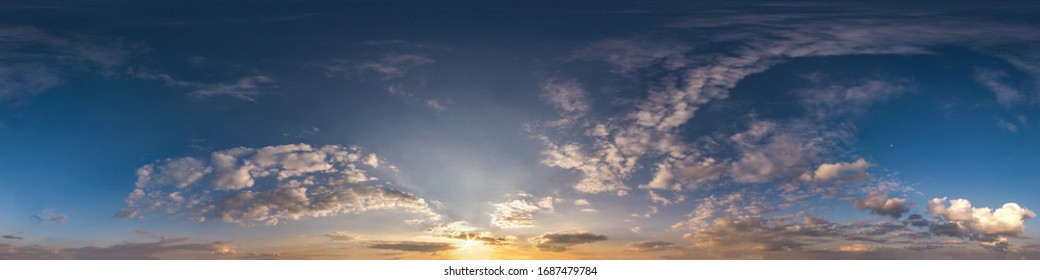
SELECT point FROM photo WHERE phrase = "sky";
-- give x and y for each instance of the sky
(519, 130)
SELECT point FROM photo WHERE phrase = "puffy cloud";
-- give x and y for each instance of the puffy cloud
(651, 246)
(413, 246)
(850, 172)
(179, 173)
(635, 229)
(604, 169)
(880, 204)
(340, 236)
(518, 213)
(299, 181)
(581, 202)
(771, 151)
(51, 217)
(561, 241)
(1009, 219)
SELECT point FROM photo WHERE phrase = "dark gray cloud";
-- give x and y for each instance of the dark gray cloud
(652, 246)
(166, 248)
(12, 237)
(561, 241)
(413, 246)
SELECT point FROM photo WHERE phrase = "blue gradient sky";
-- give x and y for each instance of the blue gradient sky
(607, 129)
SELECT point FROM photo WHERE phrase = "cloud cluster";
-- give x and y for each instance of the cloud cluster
(269, 184)
(561, 241)
(462, 230)
(960, 218)
(519, 212)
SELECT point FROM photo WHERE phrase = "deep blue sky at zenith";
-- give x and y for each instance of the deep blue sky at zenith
(720, 130)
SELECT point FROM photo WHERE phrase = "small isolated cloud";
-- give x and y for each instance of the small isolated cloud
(561, 241)
(880, 204)
(413, 246)
(635, 229)
(1006, 125)
(581, 202)
(849, 172)
(50, 217)
(1009, 219)
(340, 236)
(11, 237)
(651, 246)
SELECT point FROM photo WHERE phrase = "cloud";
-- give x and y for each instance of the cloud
(843, 100)
(462, 230)
(518, 213)
(1009, 219)
(880, 204)
(1007, 126)
(179, 173)
(394, 65)
(413, 246)
(270, 184)
(581, 202)
(31, 252)
(35, 60)
(850, 172)
(772, 150)
(1007, 95)
(567, 96)
(635, 229)
(51, 217)
(652, 246)
(340, 236)
(11, 237)
(561, 241)
(627, 55)
(855, 248)
(164, 248)
(244, 88)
